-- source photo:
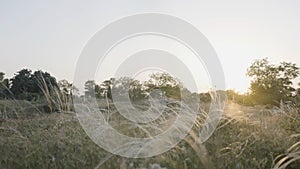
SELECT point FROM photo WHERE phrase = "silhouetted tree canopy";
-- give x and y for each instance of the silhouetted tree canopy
(28, 85)
(271, 83)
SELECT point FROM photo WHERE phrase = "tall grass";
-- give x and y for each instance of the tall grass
(246, 138)
(292, 155)
(56, 100)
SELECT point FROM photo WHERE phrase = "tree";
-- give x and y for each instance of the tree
(25, 85)
(89, 87)
(121, 86)
(137, 91)
(106, 87)
(166, 83)
(125, 86)
(98, 92)
(1, 76)
(4, 86)
(271, 83)
(20, 83)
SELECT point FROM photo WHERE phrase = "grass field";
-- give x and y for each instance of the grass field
(246, 138)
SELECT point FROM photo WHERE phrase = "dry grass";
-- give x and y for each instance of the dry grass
(247, 138)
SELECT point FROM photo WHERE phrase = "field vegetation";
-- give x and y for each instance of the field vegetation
(260, 129)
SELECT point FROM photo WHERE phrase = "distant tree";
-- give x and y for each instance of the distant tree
(21, 83)
(98, 91)
(205, 97)
(125, 86)
(4, 86)
(137, 91)
(89, 88)
(169, 85)
(105, 88)
(163, 79)
(1, 76)
(271, 83)
(119, 86)
(25, 85)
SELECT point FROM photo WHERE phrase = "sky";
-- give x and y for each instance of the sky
(50, 35)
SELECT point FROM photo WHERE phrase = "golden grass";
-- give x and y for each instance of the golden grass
(247, 137)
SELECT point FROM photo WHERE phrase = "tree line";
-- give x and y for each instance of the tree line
(270, 85)
(28, 85)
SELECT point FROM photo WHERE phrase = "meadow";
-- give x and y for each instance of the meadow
(247, 137)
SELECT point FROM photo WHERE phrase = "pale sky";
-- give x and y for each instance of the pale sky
(50, 35)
